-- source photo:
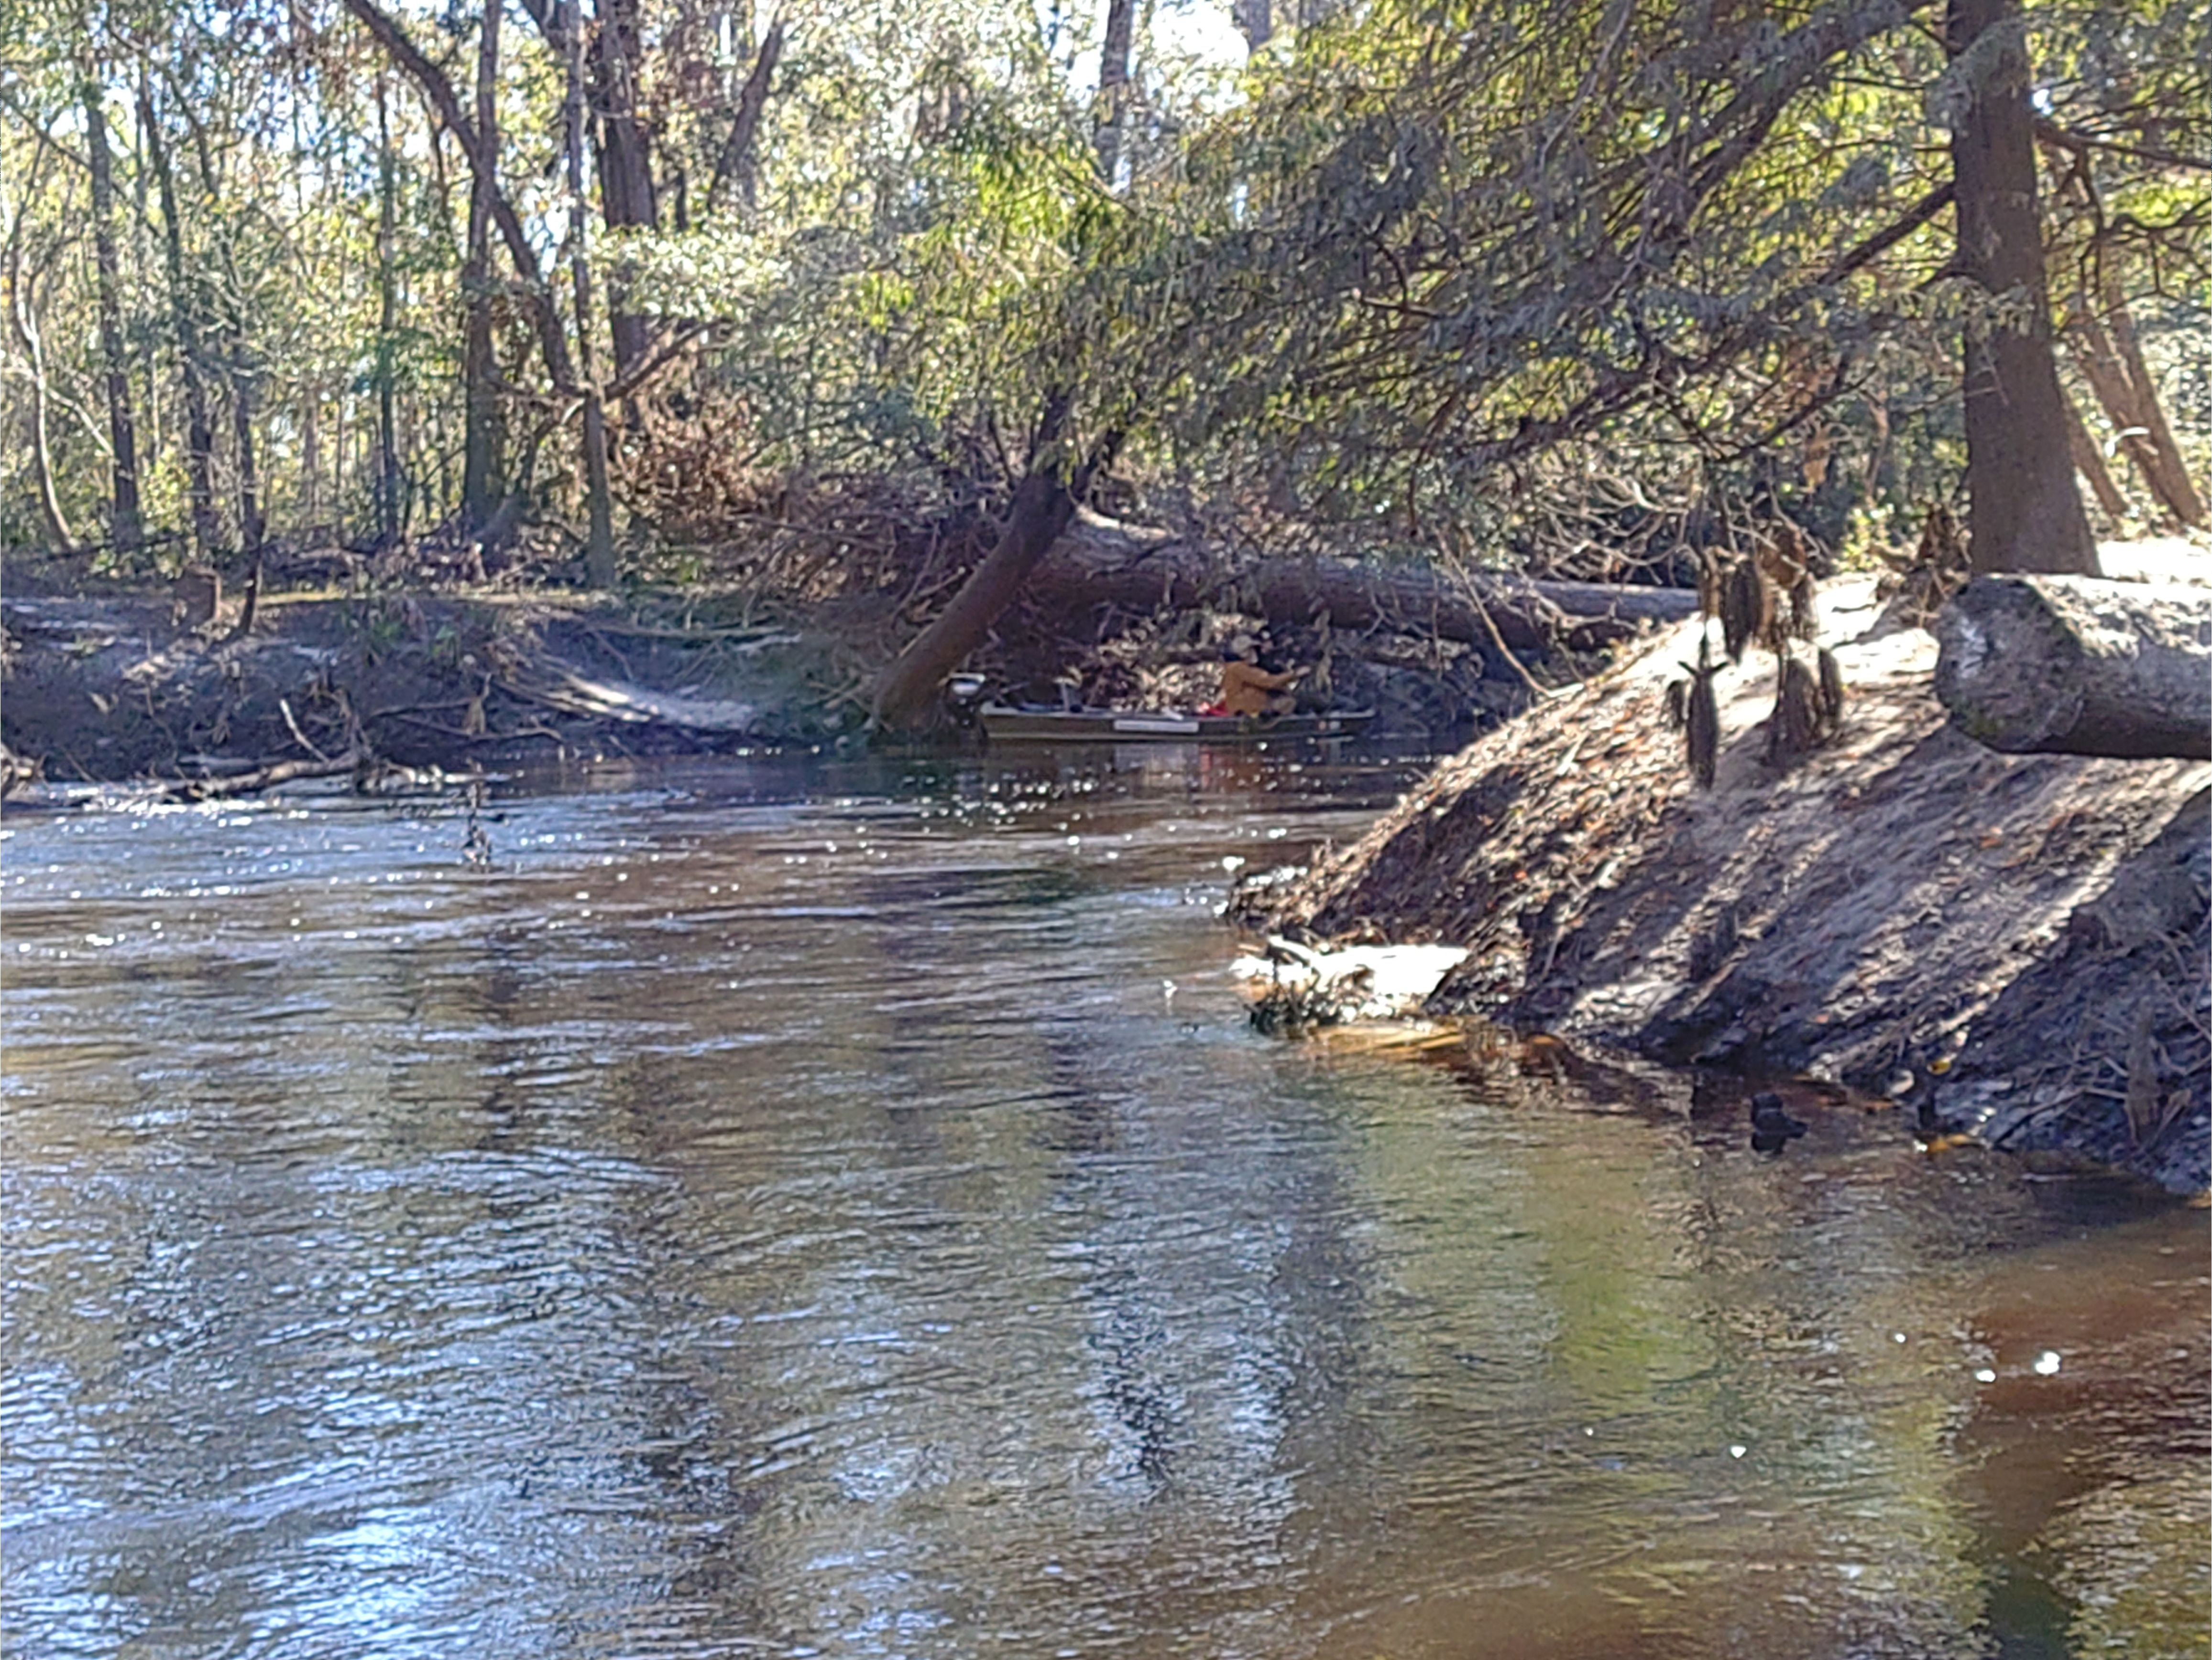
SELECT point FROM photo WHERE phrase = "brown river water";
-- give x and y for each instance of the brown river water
(840, 1209)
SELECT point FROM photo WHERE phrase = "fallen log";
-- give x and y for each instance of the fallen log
(562, 685)
(2078, 665)
(267, 776)
(1098, 561)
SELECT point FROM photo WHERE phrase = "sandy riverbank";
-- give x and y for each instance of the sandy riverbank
(2013, 945)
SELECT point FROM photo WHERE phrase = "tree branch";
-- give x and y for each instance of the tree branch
(2066, 138)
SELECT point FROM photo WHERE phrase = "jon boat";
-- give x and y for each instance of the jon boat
(1006, 723)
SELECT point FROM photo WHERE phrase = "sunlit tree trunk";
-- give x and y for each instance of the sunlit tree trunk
(2170, 477)
(126, 523)
(387, 325)
(1114, 86)
(599, 542)
(199, 427)
(2026, 509)
(1042, 506)
(2089, 462)
(2100, 331)
(2112, 360)
(484, 440)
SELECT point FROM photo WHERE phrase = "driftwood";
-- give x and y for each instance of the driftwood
(2078, 665)
(1097, 562)
(267, 776)
(563, 686)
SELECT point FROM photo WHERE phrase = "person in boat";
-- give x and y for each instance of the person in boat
(1248, 690)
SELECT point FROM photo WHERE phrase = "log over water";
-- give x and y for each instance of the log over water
(1098, 561)
(2077, 666)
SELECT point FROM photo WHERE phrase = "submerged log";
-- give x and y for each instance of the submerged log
(1098, 561)
(2077, 666)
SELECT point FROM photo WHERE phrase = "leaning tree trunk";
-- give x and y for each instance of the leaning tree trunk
(534, 290)
(2026, 510)
(737, 162)
(1042, 507)
(2089, 462)
(2112, 363)
(2079, 666)
(23, 324)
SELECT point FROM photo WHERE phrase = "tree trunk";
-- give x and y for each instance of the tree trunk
(483, 441)
(599, 540)
(127, 523)
(625, 165)
(387, 325)
(737, 163)
(1114, 86)
(340, 404)
(199, 427)
(2171, 479)
(1254, 20)
(2112, 363)
(42, 455)
(1043, 504)
(2089, 462)
(536, 293)
(245, 402)
(2079, 666)
(1098, 563)
(2026, 510)
(23, 323)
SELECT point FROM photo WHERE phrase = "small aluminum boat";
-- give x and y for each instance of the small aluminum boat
(1006, 724)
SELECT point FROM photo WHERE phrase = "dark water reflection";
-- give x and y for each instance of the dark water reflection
(789, 1213)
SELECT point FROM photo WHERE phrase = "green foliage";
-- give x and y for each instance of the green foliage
(1453, 263)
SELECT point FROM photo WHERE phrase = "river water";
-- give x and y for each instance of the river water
(789, 1209)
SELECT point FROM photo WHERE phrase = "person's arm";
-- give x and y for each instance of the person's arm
(1252, 675)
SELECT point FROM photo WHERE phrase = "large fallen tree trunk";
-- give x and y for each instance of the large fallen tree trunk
(2079, 666)
(1096, 562)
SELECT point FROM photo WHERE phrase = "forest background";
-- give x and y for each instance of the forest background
(637, 292)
